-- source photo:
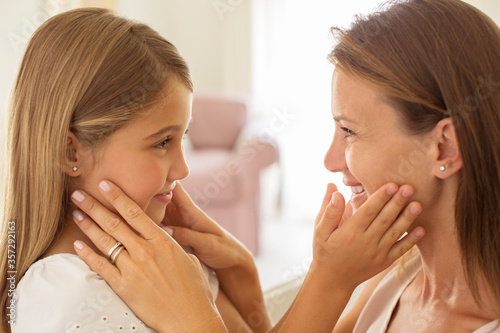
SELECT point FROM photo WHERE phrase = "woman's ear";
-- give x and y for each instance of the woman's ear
(449, 159)
(72, 164)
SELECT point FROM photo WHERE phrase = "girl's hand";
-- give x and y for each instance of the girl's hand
(362, 245)
(230, 259)
(349, 248)
(163, 285)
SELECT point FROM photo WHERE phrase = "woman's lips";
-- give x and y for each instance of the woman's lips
(164, 197)
(358, 196)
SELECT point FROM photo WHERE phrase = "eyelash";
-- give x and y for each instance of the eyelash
(348, 132)
(163, 144)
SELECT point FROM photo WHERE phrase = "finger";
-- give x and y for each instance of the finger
(188, 237)
(109, 222)
(406, 243)
(401, 225)
(331, 217)
(330, 188)
(130, 211)
(367, 213)
(102, 240)
(391, 211)
(347, 213)
(98, 264)
(181, 198)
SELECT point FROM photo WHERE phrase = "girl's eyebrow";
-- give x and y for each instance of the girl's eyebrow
(161, 132)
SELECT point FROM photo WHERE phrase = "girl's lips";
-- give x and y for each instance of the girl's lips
(164, 197)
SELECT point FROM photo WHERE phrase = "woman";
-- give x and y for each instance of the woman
(416, 99)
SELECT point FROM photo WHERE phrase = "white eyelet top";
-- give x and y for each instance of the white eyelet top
(61, 294)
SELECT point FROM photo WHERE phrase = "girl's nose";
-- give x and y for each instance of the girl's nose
(180, 169)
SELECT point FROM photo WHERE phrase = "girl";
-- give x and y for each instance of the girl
(101, 97)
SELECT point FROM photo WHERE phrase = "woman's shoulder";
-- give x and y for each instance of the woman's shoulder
(60, 293)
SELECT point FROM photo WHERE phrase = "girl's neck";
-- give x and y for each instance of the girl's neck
(69, 234)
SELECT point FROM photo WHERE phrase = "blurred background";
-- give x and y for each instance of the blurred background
(269, 53)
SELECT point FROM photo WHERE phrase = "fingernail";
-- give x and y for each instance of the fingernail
(414, 210)
(78, 215)
(169, 231)
(391, 190)
(419, 232)
(78, 196)
(335, 200)
(406, 193)
(103, 185)
(78, 245)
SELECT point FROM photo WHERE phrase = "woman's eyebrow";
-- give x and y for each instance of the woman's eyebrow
(343, 118)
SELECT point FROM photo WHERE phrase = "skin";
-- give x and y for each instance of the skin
(370, 145)
(142, 157)
(347, 250)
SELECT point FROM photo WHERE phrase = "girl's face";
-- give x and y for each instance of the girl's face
(370, 146)
(145, 157)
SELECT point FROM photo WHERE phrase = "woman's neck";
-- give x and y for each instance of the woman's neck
(442, 276)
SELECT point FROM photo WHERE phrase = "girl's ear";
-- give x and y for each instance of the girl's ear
(448, 160)
(72, 164)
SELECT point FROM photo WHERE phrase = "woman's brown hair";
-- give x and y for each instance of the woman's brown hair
(435, 59)
(86, 71)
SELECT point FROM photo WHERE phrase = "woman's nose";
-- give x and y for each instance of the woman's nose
(335, 156)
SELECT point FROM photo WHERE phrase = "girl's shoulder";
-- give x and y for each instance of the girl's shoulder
(60, 293)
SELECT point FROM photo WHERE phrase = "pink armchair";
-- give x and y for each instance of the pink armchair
(225, 160)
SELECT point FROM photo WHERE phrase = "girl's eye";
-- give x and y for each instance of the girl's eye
(163, 144)
(348, 132)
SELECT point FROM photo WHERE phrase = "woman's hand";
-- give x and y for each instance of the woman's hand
(230, 259)
(213, 245)
(163, 285)
(349, 248)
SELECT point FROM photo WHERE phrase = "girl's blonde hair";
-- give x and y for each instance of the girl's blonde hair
(86, 71)
(436, 59)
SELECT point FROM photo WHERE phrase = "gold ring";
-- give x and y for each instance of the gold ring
(110, 252)
(117, 253)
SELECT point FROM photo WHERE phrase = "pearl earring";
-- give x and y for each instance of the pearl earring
(442, 168)
(75, 168)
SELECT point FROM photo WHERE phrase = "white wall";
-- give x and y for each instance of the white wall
(214, 36)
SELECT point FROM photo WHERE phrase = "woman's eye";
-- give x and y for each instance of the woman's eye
(348, 132)
(163, 144)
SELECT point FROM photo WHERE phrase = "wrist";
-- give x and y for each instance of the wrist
(210, 322)
(330, 279)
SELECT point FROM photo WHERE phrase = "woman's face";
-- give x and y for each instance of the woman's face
(145, 157)
(370, 147)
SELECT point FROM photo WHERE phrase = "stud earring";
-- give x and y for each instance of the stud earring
(75, 168)
(442, 168)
